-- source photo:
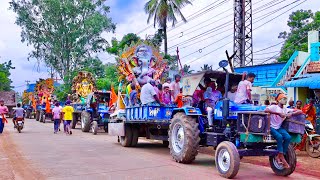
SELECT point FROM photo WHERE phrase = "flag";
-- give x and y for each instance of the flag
(114, 96)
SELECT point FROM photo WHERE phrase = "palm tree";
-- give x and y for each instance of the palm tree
(186, 69)
(163, 11)
(206, 67)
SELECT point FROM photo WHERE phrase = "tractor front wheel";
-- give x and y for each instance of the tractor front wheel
(227, 159)
(183, 138)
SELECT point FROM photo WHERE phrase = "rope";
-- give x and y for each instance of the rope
(247, 128)
(297, 122)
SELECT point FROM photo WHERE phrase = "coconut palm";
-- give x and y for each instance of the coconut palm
(162, 11)
(186, 69)
(206, 67)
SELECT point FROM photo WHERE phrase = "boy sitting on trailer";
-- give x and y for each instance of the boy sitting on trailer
(278, 113)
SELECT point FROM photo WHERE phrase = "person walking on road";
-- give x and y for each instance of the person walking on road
(56, 112)
(68, 116)
(3, 111)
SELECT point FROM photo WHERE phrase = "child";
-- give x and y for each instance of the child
(68, 116)
(166, 96)
(56, 112)
(178, 99)
(133, 95)
(160, 92)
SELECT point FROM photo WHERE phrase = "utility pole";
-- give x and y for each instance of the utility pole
(242, 46)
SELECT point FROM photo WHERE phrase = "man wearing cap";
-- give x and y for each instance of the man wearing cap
(148, 93)
(3, 111)
(278, 113)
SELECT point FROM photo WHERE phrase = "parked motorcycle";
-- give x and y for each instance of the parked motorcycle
(19, 124)
(310, 141)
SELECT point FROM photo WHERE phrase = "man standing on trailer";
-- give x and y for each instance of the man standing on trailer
(175, 86)
(243, 95)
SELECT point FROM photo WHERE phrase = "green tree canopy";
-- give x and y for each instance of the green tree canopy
(118, 46)
(111, 78)
(63, 33)
(5, 81)
(300, 22)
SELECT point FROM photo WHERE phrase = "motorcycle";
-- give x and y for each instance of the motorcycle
(19, 124)
(310, 141)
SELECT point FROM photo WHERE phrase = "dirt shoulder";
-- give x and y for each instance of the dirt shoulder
(305, 164)
(13, 163)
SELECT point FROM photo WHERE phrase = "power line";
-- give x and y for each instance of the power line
(215, 29)
(282, 13)
(256, 28)
(209, 53)
(178, 21)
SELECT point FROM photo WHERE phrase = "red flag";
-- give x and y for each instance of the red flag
(114, 96)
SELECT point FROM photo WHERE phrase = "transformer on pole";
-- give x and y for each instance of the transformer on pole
(242, 45)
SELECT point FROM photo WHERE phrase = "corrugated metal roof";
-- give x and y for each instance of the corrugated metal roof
(311, 81)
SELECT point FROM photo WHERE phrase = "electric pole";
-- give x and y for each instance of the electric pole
(242, 46)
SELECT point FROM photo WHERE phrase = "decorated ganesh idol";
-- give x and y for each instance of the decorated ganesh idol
(141, 62)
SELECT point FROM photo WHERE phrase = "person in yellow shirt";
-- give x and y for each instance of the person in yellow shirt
(68, 116)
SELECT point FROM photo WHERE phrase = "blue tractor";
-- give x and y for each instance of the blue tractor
(238, 129)
(96, 112)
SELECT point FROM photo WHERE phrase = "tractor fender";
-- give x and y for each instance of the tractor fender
(189, 111)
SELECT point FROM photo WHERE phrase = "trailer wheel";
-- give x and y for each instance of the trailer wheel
(183, 138)
(41, 114)
(291, 158)
(94, 127)
(126, 140)
(227, 159)
(135, 136)
(74, 120)
(85, 121)
(37, 116)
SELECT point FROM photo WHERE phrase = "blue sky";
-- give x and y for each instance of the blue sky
(130, 17)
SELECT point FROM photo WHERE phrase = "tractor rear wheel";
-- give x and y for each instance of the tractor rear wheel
(290, 157)
(183, 138)
(85, 121)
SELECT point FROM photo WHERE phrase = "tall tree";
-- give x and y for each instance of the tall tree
(118, 46)
(63, 32)
(111, 78)
(163, 11)
(300, 22)
(5, 81)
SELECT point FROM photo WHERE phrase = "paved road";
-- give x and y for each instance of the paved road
(37, 153)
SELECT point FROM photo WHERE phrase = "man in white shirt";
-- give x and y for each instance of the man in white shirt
(148, 94)
(278, 113)
(243, 95)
